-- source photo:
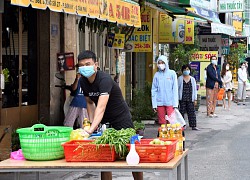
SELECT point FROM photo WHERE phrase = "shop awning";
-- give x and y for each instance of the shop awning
(167, 7)
(212, 17)
(219, 28)
(123, 12)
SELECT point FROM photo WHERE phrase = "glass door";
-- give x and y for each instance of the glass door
(19, 65)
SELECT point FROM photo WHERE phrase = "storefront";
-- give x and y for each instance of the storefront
(28, 55)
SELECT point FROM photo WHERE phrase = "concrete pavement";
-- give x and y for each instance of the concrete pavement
(213, 154)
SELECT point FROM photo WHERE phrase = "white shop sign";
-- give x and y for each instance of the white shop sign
(231, 6)
(211, 43)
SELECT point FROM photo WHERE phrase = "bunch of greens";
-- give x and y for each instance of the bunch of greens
(117, 138)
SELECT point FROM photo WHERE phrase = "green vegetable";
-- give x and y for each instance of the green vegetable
(117, 138)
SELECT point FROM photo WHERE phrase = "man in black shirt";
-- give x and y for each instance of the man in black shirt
(105, 102)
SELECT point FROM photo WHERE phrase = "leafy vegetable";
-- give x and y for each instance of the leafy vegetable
(117, 138)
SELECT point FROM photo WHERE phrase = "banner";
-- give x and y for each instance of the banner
(226, 6)
(225, 44)
(93, 8)
(210, 43)
(122, 12)
(171, 31)
(189, 30)
(206, 4)
(237, 21)
(141, 40)
(204, 56)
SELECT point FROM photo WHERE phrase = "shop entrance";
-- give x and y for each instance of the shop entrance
(19, 66)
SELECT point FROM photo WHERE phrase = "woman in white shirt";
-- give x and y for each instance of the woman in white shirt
(242, 79)
(226, 77)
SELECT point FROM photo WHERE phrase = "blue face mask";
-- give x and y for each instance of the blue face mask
(86, 71)
(186, 72)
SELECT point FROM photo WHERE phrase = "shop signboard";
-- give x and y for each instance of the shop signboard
(122, 12)
(195, 66)
(204, 56)
(189, 30)
(225, 44)
(237, 21)
(226, 6)
(200, 60)
(171, 31)
(65, 61)
(119, 41)
(141, 39)
(211, 43)
(206, 4)
(206, 13)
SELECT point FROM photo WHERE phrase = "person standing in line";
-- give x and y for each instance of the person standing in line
(78, 106)
(242, 80)
(105, 102)
(187, 95)
(164, 90)
(227, 77)
(213, 83)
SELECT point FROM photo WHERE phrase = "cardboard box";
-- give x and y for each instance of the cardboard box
(5, 142)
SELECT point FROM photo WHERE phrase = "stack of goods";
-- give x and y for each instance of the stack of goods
(173, 132)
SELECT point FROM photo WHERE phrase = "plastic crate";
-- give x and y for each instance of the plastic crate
(155, 153)
(86, 151)
(41, 142)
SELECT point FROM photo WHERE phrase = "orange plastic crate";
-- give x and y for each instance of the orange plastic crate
(155, 153)
(84, 151)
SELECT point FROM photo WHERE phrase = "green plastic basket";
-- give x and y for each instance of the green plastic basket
(41, 142)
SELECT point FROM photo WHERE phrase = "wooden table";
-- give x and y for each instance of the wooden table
(18, 166)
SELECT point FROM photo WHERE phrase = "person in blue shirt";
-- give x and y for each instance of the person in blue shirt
(78, 106)
(164, 90)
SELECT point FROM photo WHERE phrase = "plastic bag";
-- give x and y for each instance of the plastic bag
(221, 94)
(17, 155)
(176, 117)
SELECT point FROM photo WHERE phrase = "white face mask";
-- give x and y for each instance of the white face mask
(161, 66)
(227, 67)
(243, 67)
(214, 62)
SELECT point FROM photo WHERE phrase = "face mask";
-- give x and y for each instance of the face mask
(214, 62)
(161, 66)
(227, 67)
(243, 67)
(186, 72)
(86, 71)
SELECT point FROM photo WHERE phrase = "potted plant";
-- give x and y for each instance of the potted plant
(139, 127)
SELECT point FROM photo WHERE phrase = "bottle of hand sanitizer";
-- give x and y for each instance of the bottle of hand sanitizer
(133, 157)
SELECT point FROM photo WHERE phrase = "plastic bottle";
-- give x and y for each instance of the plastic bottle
(86, 124)
(168, 131)
(172, 131)
(180, 138)
(163, 131)
(133, 157)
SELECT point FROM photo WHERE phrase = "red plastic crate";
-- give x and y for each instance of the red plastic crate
(155, 153)
(84, 151)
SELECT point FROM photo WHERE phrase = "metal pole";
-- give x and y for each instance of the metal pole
(186, 166)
